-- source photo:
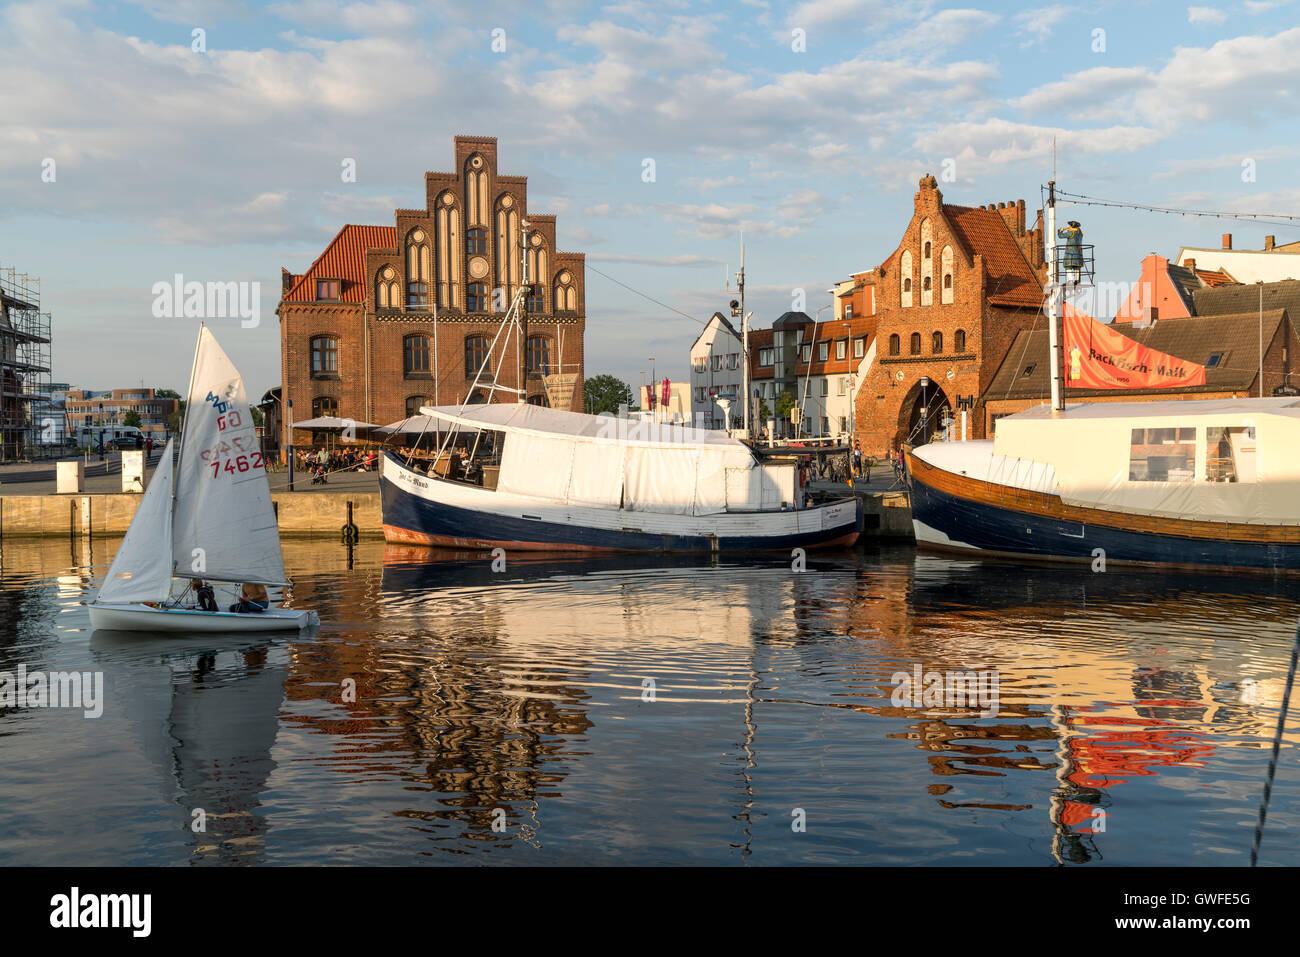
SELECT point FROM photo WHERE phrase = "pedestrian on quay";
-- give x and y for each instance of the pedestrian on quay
(857, 460)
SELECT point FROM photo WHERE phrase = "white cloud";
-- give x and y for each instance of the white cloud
(1210, 15)
(1039, 23)
(934, 34)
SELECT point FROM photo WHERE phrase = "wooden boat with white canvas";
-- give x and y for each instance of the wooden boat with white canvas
(210, 517)
(1210, 483)
(566, 481)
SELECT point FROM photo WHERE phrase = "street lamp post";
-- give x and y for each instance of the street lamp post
(1260, 284)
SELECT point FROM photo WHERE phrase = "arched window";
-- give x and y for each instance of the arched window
(907, 285)
(535, 302)
(539, 355)
(413, 403)
(476, 354)
(476, 241)
(946, 267)
(476, 297)
(905, 273)
(324, 405)
(894, 345)
(936, 343)
(419, 267)
(566, 297)
(959, 340)
(415, 355)
(324, 356)
(925, 284)
(915, 345)
(926, 251)
(388, 294)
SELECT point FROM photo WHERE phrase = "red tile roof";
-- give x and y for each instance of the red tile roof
(1215, 277)
(345, 259)
(1012, 281)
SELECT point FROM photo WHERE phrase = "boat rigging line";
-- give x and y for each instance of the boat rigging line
(1277, 746)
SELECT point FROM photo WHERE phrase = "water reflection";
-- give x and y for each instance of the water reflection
(648, 709)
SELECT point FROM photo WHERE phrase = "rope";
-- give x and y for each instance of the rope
(1079, 199)
(1277, 746)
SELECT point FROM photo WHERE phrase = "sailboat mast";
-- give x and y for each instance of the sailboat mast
(744, 326)
(1053, 300)
(185, 427)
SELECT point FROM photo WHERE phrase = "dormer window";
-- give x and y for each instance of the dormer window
(327, 290)
(1214, 360)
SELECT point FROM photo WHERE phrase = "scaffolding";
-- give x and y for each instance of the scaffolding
(30, 425)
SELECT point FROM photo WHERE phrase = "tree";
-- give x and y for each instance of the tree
(166, 394)
(131, 418)
(176, 418)
(605, 393)
(784, 404)
(764, 413)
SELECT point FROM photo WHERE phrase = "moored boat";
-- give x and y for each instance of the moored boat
(566, 481)
(1209, 483)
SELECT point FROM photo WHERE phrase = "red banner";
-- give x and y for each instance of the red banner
(667, 396)
(1098, 357)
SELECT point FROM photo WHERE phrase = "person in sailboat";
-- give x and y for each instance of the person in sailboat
(204, 595)
(252, 599)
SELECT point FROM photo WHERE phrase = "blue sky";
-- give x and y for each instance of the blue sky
(224, 165)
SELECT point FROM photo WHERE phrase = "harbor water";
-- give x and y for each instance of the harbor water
(657, 710)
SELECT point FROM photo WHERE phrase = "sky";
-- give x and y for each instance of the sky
(133, 148)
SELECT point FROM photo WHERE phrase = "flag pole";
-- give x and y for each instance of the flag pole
(1053, 300)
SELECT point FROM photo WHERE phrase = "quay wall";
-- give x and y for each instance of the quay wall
(299, 513)
(885, 514)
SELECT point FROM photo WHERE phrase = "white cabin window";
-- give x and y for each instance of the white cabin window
(1162, 455)
(1230, 454)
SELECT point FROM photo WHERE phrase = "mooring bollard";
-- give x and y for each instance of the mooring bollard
(350, 532)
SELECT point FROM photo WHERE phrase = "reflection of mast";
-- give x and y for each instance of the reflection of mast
(747, 748)
(1068, 845)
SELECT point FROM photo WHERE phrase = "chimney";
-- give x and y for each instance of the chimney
(1269, 242)
(1227, 240)
(1190, 264)
(1020, 216)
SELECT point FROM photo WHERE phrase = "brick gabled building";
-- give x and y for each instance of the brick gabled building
(963, 282)
(389, 318)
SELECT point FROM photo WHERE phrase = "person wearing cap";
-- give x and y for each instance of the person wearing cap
(1072, 255)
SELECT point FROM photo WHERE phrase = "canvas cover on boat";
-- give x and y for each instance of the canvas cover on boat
(1238, 460)
(142, 567)
(604, 461)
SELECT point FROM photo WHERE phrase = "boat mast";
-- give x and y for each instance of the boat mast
(744, 326)
(521, 330)
(1053, 300)
(185, 428)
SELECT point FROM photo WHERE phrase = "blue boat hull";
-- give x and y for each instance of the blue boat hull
(412, 519)
(979, 527)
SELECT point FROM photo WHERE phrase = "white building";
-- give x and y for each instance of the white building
(716, 373)
(1270, 264)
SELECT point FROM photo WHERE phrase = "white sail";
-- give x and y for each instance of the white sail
(223, 525)
(142, 567)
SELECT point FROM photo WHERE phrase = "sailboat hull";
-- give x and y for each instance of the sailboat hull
(139, 617)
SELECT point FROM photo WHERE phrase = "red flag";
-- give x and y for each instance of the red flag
(667, 393)
(650, 396)
(1098, 357)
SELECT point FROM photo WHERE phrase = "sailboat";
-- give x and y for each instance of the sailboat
(210, 517)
